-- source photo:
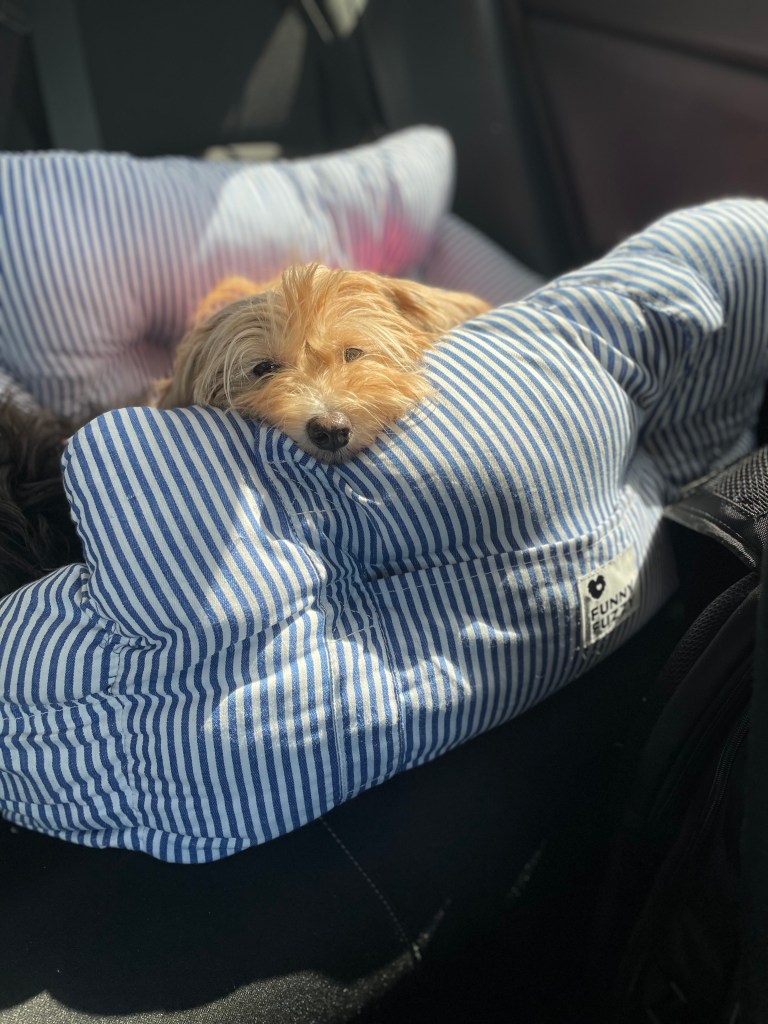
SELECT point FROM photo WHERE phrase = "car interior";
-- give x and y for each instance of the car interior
(471, 887)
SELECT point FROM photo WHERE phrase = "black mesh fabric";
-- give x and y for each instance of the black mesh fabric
(745, 483)
(731, 507)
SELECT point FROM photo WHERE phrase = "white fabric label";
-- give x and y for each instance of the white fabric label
(607, 595)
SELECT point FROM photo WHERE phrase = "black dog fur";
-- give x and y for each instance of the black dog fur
(37, 534)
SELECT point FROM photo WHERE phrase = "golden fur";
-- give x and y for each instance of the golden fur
(331, 357)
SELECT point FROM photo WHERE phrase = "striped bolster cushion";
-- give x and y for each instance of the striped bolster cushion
(257, 637)
(103, 257)
(462, 258)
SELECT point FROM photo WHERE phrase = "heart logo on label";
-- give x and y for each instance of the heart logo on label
(596, 586)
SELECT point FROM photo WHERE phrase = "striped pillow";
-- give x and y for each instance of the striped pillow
(257, 637)
(103, 256)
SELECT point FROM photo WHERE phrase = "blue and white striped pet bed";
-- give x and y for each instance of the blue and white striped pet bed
(256, 637)
(104, 257)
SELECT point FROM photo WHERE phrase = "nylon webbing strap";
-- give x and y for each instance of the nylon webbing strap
(63, 73)
(14, 26)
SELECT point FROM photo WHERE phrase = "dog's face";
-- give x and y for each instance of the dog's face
(330, 357)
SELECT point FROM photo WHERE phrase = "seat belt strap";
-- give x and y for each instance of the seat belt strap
(64, 82)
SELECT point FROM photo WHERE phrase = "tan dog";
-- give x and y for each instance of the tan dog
(331, 357)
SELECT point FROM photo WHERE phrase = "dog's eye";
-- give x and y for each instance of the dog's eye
(351, 354)
(267, 366)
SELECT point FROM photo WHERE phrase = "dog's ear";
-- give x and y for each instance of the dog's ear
(180, 389)
(433, 310)
(201, 357)
(157, 391)
(229, 289)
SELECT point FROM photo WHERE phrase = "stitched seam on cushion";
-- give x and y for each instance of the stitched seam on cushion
(399, 928)
(333, 661)
(527, 556)
(118, 653)
(396, 677)
(110, 639)
(294, 524)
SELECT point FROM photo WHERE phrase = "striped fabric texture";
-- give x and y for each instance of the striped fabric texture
(461, 258)
(103, 257)
(257, 637)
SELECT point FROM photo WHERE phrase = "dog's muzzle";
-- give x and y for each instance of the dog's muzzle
(329, 433)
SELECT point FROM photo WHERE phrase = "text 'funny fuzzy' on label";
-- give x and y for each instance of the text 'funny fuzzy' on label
(608, 596)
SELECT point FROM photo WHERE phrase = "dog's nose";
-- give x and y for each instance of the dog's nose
(330, 433)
